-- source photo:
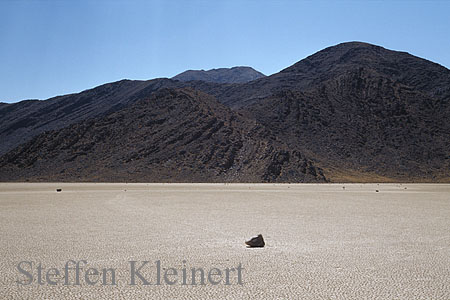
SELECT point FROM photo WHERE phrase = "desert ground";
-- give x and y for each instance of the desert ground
(323, 241)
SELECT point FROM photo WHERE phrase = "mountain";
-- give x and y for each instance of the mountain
(177, 135)
(21, 121)
(400, 136)
(361, 111)
(351, 112)
(333, 62)
(221, 75)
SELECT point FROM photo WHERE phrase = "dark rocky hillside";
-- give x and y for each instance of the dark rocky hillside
(221, 75)
(397, 136)
(174, 136)
(333, 62)
(21, 121)
(358, 111)
(363, 111)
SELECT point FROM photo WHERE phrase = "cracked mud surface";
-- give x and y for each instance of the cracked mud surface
(322, 241)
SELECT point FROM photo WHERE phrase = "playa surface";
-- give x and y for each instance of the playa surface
(322, 241)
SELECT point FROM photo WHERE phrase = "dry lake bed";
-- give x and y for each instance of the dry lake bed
(323, 241)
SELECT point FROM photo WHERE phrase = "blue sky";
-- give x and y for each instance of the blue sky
(49, 48)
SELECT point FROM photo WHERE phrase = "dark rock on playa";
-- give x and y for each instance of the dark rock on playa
(256, 242)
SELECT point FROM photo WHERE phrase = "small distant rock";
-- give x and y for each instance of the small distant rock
(377, 191)
(257, 241)
(59, 190)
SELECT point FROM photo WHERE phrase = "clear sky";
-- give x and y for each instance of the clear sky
(50, 48)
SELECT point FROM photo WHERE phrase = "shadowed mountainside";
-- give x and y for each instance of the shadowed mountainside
(333, 62)
(174, 136)
(400, 136)
(362, 109)
(221, 75)
(21, 121)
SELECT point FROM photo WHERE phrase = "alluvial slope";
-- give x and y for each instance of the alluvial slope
(173, 136)
(221, 75)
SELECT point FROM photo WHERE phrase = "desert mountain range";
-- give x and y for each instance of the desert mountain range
(353, 112)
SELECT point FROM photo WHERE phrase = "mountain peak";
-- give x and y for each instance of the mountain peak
(240, 74)
(346, 46)
(347, 53)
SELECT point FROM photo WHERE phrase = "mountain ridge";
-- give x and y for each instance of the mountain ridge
(309, 72)
(239, 74)
(176, 135)
(357, 111)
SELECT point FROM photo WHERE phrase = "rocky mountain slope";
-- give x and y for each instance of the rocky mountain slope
(177, 135)
(221, 75)
(335, 61)
(21, 121)
(362, 110)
